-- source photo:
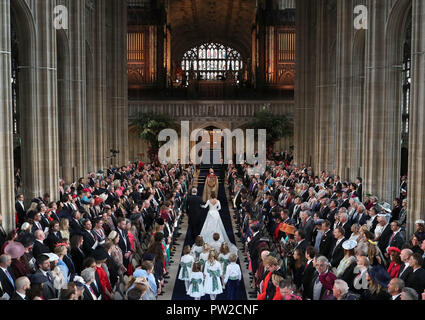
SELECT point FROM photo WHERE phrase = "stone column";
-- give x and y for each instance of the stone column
(416, 199)
(46, 155)
(344, 112)
(6, 121)
(100, 85)
(325, 86)
(382, 122)
(78, 78)
(305, 80)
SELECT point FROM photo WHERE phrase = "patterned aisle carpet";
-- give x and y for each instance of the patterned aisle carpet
(179, 292)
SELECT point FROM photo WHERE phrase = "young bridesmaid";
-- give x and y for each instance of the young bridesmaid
(196, 286)
(203, 257)
(186, 263)
(197, 247)
(213, 274)
(224, 256)
(232, 277)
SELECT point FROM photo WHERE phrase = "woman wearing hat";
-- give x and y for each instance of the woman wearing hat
(345, 270)
(420, 230)
(116, 252)
(378, 280)
(100, 256)
(16, 251)
(394, 267)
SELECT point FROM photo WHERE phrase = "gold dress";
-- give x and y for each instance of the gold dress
(211, 184)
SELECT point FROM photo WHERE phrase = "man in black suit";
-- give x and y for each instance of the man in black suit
(7, 278)
(90, 242)
(20, 209)
(22, 284)
(337, 252)
(416, 279)
(344, 223)
(49, 291)
(307, 225)
(385, 235)
(405, 268)
(195, 214)
(39, 247)
(54, 236)
(308, 273)
(327, 241)
(89, 278)
(395, 287)
(302, 243)
(74, 224)
(396, 239)
(253, 247)
(124, 242)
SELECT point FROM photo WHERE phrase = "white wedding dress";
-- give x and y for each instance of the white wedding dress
(213, 224)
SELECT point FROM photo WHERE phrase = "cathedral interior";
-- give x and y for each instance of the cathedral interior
(69, 93)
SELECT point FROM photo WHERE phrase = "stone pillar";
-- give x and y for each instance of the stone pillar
(6, 121)
(100, 85)
(117, 85)
(382, 118)
(78, 93)
(416, 200)
(325, 86)
(344, 112)
(46, 149)
(305, 80)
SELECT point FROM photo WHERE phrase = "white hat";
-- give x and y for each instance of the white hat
(420, 221)
(385, 206)
(52, 256)
(349, 244)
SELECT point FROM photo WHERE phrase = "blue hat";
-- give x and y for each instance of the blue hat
(380, 275)
(148, 257)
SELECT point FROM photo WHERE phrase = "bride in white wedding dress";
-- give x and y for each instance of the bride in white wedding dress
(213, 224)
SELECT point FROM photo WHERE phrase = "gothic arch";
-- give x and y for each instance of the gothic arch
(65, 116)
(24, 26)
(394, 40)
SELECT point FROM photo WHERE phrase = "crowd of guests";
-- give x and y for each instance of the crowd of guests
(111, 236)
(316, 237)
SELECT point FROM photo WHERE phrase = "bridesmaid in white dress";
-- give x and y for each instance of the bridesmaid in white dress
(213, 224)
(213, 276)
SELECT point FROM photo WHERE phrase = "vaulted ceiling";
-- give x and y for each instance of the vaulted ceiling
(194, 22)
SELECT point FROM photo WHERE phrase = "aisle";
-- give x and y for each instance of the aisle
(179, 292)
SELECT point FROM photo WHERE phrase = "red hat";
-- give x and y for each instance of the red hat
(97, 201)
(86, 190)
(390, 249)
(74, 196)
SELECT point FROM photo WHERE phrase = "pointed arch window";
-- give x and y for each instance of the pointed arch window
(212, 61)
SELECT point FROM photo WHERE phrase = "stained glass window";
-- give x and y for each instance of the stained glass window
(212, 61)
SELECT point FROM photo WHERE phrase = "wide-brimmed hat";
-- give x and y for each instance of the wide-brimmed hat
(391, 249)
(327, 280)
(349, 244)
(379, 275)
(52, 256)
(15, 250)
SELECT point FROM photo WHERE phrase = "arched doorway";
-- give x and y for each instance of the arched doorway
(214, 148)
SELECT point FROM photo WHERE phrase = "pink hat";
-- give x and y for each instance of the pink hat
(15, 250)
